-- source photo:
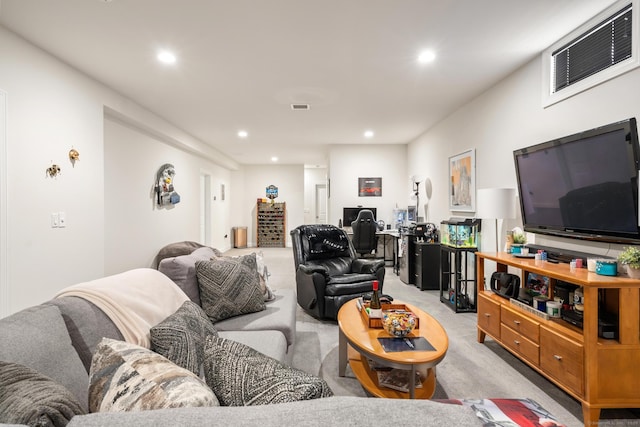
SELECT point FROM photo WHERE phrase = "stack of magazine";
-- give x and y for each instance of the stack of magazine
(396, 379)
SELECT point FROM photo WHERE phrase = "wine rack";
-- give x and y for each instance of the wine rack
(271, 224)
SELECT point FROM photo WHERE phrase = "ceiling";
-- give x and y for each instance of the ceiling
(242, 63)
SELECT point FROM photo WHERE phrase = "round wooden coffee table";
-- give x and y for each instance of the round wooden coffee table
(359, 343)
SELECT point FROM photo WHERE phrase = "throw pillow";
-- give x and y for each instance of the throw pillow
(229, 287)
(508, 412)
(263, 273)
(127, 377)
(53, 356)
(180, 337)
(182, 270)
(28, 397)
(242, 376)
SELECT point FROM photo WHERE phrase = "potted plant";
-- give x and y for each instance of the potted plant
(630, 258)
(519, 240)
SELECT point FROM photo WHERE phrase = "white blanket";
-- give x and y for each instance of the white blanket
(135, 300)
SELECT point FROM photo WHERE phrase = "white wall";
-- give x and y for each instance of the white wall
(52, 108)
(136, 227)
(253, 180)
(510, 116)
(350, 162)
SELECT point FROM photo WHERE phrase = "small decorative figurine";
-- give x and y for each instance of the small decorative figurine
(166, 195)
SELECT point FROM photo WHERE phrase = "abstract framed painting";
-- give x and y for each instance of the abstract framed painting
(462, 182)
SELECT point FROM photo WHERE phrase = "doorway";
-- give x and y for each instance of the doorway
(4, 265)
(205, 209)
(321, 203)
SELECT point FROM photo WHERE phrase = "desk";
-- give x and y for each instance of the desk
(385, 234)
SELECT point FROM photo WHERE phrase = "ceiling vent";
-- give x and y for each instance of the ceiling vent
(300, 106)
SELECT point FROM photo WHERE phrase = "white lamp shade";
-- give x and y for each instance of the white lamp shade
(496, 203)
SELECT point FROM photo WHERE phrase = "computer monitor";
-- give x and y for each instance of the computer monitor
(399, 218)
(412, 212)
(350, 214)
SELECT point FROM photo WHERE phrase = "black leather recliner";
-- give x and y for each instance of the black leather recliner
(364, 232)
(328, 271)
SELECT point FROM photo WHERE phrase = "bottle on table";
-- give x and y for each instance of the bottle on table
(375, 307)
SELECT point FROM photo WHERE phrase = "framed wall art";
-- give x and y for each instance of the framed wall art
(369, 187)
(462, 182)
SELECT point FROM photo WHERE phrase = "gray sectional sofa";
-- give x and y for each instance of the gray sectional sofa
(58, 339)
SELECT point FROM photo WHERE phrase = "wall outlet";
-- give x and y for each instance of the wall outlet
(55, 220)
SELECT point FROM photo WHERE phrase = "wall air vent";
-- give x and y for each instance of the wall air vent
(300, 106)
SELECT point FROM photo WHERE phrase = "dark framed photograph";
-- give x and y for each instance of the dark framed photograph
(369, 187)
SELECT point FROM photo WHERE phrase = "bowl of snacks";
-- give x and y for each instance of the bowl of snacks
(398, 323)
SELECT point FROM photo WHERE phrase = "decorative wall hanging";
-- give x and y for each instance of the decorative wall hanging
(462, 181)
(272, 192)
(74, 156)
(165, 193)
(369, 187)
(53, 170)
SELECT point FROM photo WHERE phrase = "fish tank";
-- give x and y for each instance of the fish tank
(460, 232)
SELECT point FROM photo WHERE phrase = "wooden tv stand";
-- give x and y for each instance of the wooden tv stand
(600, 373)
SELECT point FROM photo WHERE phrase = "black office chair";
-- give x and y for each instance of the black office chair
(364, 229)
(328, 271)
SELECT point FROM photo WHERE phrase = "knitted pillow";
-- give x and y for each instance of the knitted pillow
(127, 377)
(180, 337)
(28, 397)
(242, 376)
(229, 287)
(53, 356)
(182, 270)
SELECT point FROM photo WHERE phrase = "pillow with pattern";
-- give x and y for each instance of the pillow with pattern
(127, 377)
(242, 376)
(180, 337)
(263, 273)
(28, 397)
(229, 287)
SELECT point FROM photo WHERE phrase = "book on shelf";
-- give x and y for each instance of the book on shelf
(397, 379)
(377, 366)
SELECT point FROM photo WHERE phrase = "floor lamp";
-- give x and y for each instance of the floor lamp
(496, 203)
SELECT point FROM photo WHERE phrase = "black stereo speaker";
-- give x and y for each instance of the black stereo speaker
(505, 284)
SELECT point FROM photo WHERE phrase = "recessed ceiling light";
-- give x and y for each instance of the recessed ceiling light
(426, 56)
(166, 57)
(368, 134)
(274, 159)
(243, 134)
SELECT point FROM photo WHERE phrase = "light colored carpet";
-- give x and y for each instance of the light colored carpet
(469, 370)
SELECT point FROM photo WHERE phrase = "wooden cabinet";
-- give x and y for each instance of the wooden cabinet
(596, 371)
(488, 316)
(520, 334)
(271, 224)
(562, 359)
(519, 344)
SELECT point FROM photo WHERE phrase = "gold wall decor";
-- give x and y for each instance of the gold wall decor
(74, 156)
(53, 170)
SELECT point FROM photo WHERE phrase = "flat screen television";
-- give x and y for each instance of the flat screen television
(350, 214)
(582, 186)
